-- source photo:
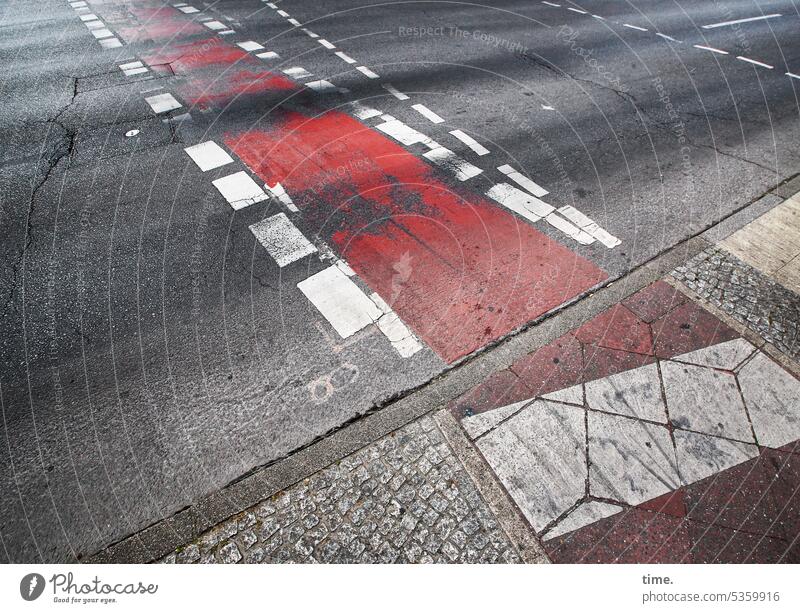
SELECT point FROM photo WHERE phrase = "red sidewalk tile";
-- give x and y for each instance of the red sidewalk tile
(654, 301)
(617, 328)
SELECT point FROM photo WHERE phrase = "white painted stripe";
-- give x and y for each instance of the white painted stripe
(226, 32)
(89, 17)
(293, 21)
(401, 132)
(598, 17)
(322, 86)
(345, 57)
(363, 112)
(792, 75)
(326, 44)
(580, 11)
(367, 72)
(282, 240)
(345, 268)
(558, 6)
(76, 5)
(588, 226)
(627, 25)
(188, 9)
(523, 181)
(394, 91)
(470, 142)
(735, 21)
(547, 108)
(94, 25)
(271, 5)
(393, 328)
(310, 33)
(208, 155)
(450, 161)
(340, 301)
(283, 13)
(755, 62)
(215, 25)
(239, 190)
(530, 207)
(297, 72)
(664, 36)
(250, 45)
(134, 71)
(427, 113)
(110, 43)
(561, 224)
(102, 33)
(162, 103)
(130, 65)
(268, 55)
(278, 192)
(712, 49)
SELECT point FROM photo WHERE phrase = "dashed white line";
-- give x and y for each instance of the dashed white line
(162, 103)
(239, 190)
(558, 6)
(470, 142)
(283, 13)
(402, 133)
(278, 192)
(427, 113)
(712, 49)
(394, 91)
(561, 224)
(188, 9)
(523, 181)
(632, 27)
(791, 75)
(529, 207)
(95, 25)
(310, 33)
(393, 328)
(664, 36)
(133, 68)
(102, 33)
(342, 55)
(367, 72)
(755, 62)
(363, 112)
(297, 72)
(215, 25)
(735, 21)
(268, 55)
(322, 86)
(282, 240)
(89, 17)
(340, 301)
(293, 21)
(208, 155)
(579, 11)
(445, 158)
(326, 43)
(110, 43)
(589, 226)
(250, 45)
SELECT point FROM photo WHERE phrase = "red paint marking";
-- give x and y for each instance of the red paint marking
(158, 24)
(200, 54)
(221, 91)
(459, 270)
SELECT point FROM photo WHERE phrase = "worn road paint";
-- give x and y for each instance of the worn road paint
(239, 190)
(282, 240)
(632, 27)
(250, 45)
(322, 86)
(393, 328)
(297, 72)
(278, 192)
(326, 44)
(459, 270)
(529, 207)
(589, 226)
(470, 142)
(448, 160)
(208, 155)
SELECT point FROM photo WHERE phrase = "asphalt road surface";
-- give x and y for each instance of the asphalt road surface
(229, 228)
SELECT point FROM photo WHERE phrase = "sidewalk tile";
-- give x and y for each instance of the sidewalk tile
(617, 328)
(654, 301)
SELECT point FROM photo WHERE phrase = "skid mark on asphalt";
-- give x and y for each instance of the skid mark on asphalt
(473, 272)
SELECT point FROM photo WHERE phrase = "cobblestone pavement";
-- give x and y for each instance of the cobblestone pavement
(403, 498)
(749, 296)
